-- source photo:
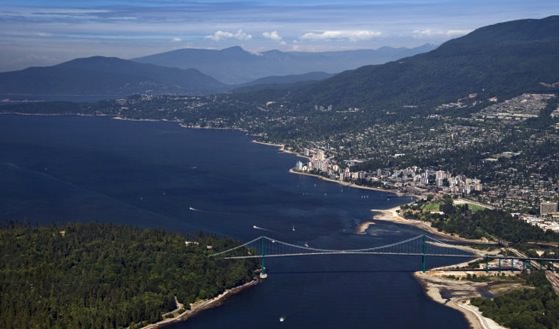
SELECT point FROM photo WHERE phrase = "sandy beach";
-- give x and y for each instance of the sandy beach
(434, 281)
(392, 215)
(281, 148)
(460, 293)
(202, 305)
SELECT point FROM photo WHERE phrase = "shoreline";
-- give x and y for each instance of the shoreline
(202, 305)
(461, 293)
(280, 147)
(347, 184)
(391, 215)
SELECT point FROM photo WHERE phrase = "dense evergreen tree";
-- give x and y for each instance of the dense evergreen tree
(105, 276)
(493, 224)
(536, 308)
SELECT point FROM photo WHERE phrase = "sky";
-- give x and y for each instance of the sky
(46, 32)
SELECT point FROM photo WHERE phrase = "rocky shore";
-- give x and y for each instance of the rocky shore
(202, 305)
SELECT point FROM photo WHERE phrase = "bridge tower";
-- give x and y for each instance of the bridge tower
(423, 257)
(499, 266)
(263, 274)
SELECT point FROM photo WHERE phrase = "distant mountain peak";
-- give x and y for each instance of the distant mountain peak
(235, 65)
(94, 59)
(105, 77)
(234, 49)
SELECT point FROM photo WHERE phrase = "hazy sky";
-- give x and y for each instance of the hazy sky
(41, 32)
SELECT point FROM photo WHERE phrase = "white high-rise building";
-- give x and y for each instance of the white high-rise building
(440, 177)
(425, 178)
(320, 155)
(477, 185)
(547, 208)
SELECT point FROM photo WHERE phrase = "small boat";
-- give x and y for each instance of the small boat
(293, 228)
(281, 319)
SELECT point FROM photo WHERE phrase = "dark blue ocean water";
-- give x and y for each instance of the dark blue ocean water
(59, 169)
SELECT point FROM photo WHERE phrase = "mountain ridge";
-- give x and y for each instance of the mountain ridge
(474, 63)
(105, 77)
(234, 65)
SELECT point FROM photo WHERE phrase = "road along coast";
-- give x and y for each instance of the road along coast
(344, 183)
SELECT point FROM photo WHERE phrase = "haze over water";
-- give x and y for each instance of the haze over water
(60, 169)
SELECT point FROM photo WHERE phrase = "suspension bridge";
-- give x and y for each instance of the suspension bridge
(422, 245)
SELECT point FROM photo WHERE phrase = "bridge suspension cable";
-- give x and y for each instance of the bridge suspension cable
(264, 246)
(422, 245)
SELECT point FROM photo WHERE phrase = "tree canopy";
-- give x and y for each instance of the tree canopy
(106, 276)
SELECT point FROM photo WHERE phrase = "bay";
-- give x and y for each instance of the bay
(156, 174)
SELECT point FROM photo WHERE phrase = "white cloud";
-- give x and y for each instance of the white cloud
(274, 35)
(355, 35)
(454, 33)
(439, 33)
(222, 35)
(176, 39)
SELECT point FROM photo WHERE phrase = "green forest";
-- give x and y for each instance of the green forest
(106, 276)
(473, 223)
(536, 307)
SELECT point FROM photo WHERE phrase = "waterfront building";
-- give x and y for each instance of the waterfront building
(320, 155)
(324, 165)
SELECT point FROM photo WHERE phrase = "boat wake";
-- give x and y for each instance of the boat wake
(197, 210)
(261, 228)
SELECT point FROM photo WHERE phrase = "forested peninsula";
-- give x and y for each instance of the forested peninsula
(107, 276)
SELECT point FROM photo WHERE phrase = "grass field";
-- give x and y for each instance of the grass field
(431, 207)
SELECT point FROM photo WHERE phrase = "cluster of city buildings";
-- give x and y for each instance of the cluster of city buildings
(416, 180)
(409, 180)
(548, 218)
(519, 108)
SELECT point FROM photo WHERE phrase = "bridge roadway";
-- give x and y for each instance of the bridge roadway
(422, 245)
(349, 252)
